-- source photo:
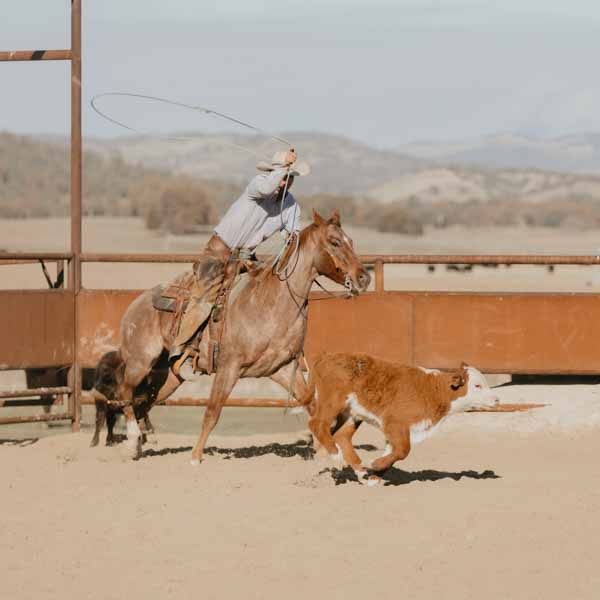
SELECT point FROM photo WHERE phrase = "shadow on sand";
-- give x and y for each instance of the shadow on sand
(301, 448)
(305, 450)
(22, 443)
(395, 476)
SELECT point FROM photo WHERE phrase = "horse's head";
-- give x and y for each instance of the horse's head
(336, 258)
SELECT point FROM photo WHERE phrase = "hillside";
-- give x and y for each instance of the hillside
(34, 182)
(180, 186)
(339, 165)
(573, 153)
(342, 166)
(463, 184)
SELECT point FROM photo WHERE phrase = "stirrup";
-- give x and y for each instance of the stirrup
(179, 362)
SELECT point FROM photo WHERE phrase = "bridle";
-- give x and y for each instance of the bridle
(284, 275)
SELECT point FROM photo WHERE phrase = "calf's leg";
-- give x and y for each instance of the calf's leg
(321, 429)
(398, 448)
(343, 440)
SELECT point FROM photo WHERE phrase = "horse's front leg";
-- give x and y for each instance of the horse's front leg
(286, 377)
(224, 381)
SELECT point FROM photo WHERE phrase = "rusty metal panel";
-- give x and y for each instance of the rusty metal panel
(100, 313)
(507, 333)
(379, 324)
(37, 328)
(510, 333)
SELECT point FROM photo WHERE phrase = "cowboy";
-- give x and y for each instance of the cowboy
(264, 208)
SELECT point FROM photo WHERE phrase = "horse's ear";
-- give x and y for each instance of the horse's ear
(334, 219)
(317, 218)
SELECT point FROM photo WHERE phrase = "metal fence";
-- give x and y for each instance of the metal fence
(57, 328)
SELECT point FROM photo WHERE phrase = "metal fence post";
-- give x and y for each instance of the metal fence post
(76, 160)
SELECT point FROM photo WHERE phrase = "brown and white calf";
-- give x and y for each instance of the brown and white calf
(407, 403)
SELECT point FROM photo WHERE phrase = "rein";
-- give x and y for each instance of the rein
(283, 273)
(332, 295)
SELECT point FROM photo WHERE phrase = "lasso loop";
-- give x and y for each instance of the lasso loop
(283, 272)
(202, 109)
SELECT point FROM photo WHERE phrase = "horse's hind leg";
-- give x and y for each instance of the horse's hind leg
(111, 419)
(148, 424)
(221, 388)
(133, 376)
(100, 421)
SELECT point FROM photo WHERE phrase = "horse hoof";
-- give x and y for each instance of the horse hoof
(194, 462)
(134, 448)
(338, 459)
(373, 481)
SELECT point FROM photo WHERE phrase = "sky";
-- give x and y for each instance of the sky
(386, 72)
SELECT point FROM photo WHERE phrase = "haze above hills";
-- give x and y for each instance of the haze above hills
(577, 153)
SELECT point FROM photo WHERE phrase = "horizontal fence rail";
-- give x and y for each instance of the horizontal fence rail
(27, 55)
(34, 256)
(388, 259)
(43, 391)
(231, 402)
(36, 418)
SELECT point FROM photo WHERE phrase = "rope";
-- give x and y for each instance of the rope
(202, 109)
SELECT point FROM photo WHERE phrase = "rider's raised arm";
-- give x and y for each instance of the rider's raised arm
(263, 186)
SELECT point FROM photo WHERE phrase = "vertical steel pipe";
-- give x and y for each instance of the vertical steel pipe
(379, 283)
(76, 173)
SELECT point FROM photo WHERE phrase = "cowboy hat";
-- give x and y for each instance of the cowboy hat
(278, 161)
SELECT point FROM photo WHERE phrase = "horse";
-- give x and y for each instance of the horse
(264, 329)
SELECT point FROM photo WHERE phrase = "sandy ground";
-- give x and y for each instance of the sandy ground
(481, 510)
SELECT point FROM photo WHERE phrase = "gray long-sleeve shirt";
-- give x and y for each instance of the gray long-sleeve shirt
(257, 214)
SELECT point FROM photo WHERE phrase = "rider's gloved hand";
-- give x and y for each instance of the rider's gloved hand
(290, 157)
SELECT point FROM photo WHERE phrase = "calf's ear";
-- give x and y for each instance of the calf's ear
(457, 380)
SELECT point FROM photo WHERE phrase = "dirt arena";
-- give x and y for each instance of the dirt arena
(493, 506)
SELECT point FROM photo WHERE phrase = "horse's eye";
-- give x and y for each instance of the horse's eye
(335, 243)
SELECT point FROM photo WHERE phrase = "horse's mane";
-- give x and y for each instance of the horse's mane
(289, 251)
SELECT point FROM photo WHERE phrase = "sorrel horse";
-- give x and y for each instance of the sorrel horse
(264, 327)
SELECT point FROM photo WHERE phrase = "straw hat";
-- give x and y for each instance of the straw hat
(278, 161)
